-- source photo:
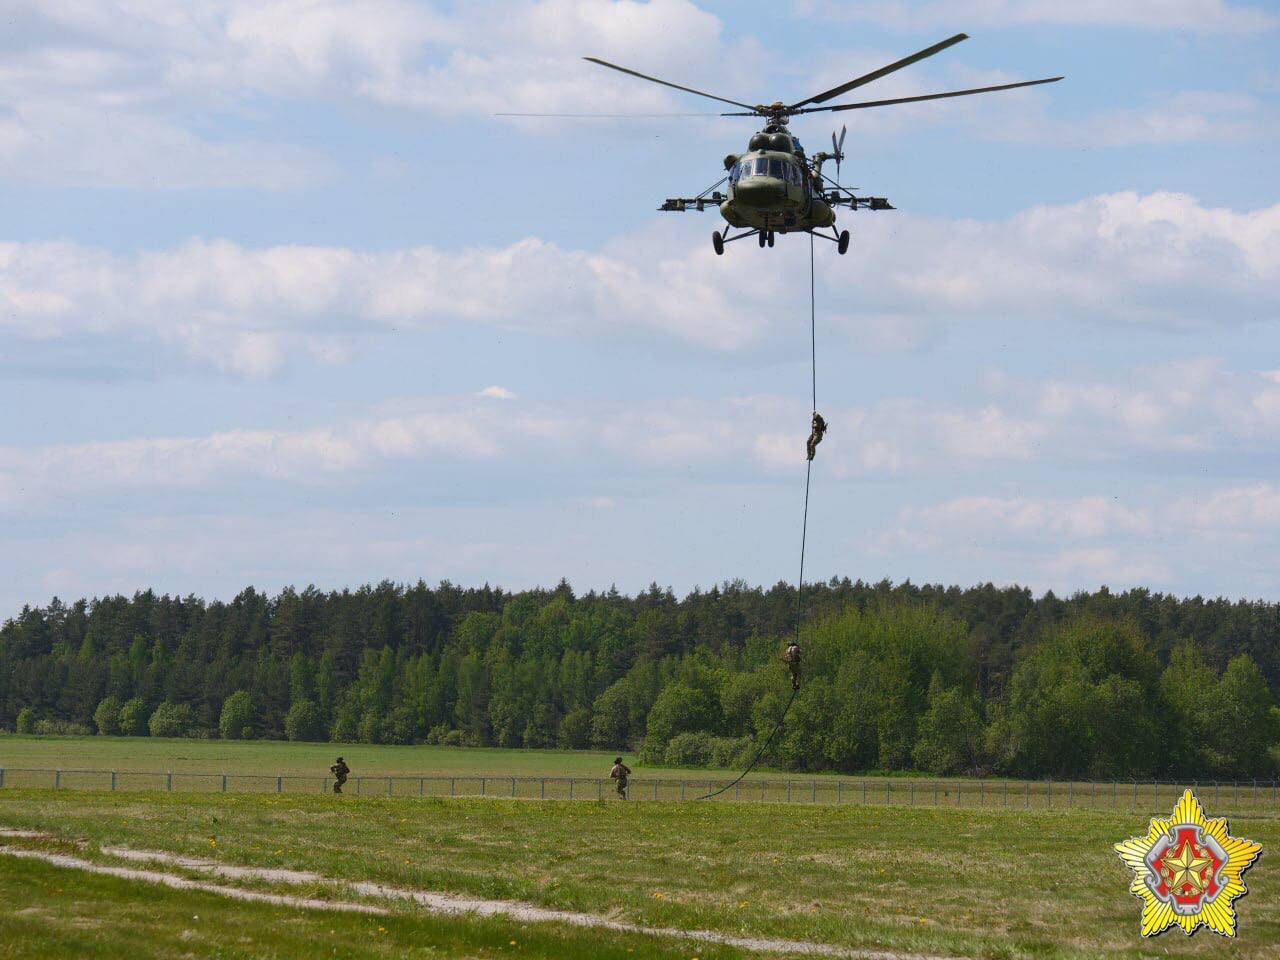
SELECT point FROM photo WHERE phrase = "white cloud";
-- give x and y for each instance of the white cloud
(1162, 260)
(105, 94)
(1203, 16)
(497, 393)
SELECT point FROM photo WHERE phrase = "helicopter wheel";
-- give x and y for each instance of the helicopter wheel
(717, 242)
(763, 238)
(843, 244)
(771, 238)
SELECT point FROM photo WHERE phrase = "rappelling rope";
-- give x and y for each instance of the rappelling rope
(804, 532)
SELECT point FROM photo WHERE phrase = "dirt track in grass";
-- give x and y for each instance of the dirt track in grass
(435, 902)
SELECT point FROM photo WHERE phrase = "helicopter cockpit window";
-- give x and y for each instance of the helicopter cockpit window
(777, 169)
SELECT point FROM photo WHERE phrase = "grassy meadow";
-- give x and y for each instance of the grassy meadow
(282, 758)
(970, 883)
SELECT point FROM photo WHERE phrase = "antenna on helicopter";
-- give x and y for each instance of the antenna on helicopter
(837, 148)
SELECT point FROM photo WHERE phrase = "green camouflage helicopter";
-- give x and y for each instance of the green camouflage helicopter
(774, 187)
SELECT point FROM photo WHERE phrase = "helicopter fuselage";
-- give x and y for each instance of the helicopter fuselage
(774, 190)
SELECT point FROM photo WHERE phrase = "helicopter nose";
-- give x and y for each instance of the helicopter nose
(761, 191)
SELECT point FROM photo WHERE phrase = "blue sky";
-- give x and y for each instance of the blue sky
(281, 301)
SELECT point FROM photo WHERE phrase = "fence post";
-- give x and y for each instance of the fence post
(1028, 803)
(1049, 791)
(788, 791)
(542, 789)
(655, 788)
(913, 793)
(1006, 793)
(1113, 794)
(113, 780)
(571, 788)
(982, 793)
(1155, 794)
(599, 788)
(935, 793)
(279, 784)
(484, 783)
(839, 791)
(737, 790)
(224, 784)
(682, 784)
(815, 792)
(57, 779)
(453, 786)
(1, 777)
(513, 786)
(1070, 792)
(864, 793)
(959, 785)
(168, 781)
(422, 786)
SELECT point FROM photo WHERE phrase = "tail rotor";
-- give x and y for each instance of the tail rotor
(837, 148)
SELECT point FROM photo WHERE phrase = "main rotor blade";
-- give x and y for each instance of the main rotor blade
(927, 96)
(665, 83)
(606, 116)
(883, 71)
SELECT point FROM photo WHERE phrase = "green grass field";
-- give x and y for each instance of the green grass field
(971, 883)
(275, 758)
(998, 882)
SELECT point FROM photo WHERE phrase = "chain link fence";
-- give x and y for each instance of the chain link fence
(1236, 796)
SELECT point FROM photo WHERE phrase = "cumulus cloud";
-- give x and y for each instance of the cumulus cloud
(1162, 260)
(1201, 16)
(105, 95)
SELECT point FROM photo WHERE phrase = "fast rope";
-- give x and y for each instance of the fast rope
(804, 534)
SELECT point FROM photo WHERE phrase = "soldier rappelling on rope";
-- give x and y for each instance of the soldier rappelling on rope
(792, 659)
(815, 434)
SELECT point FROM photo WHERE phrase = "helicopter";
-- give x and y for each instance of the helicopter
(774, 187)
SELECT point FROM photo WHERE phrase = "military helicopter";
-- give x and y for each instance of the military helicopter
(774, 187)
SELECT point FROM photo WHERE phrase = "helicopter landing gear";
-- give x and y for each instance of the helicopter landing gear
(717, 242)
(763, 238)
(842, 245)
(770, 241)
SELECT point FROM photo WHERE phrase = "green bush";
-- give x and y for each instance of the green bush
(107, 717)
(575, 729)
(26, 720)
(172, 720)
(303, 722)
(688, 749)
(62, 728)
(236, 722)
(133, 718)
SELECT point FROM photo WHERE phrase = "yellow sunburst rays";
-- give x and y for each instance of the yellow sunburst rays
(1187, 868)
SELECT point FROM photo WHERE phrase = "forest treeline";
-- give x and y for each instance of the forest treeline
(897, 676)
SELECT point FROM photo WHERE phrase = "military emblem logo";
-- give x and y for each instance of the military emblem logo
(1187, 871)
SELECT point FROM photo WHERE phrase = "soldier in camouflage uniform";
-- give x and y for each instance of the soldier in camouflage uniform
(815, 434)
(792, 659)
(620, 772)
(340, 772)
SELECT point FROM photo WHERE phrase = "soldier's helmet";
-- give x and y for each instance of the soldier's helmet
(617, 759)
(340, 760)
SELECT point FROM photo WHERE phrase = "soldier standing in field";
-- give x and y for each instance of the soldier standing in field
(620, 772)
(340, 772)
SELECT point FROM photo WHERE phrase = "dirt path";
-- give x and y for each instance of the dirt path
(443, 903)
